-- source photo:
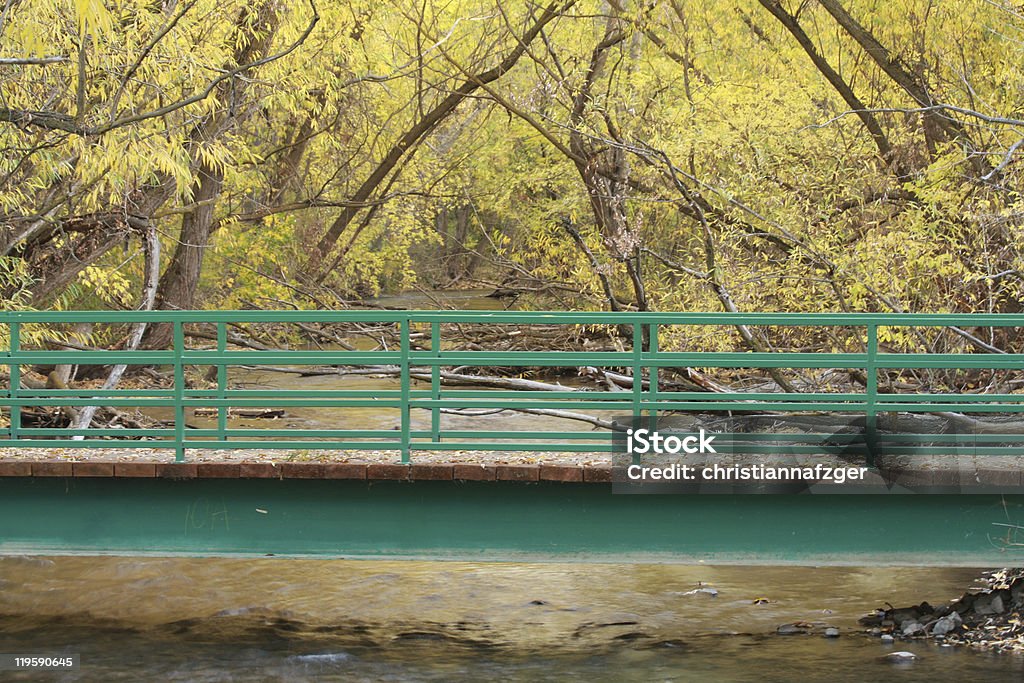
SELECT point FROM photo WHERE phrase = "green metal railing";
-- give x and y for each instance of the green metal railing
(644, 399)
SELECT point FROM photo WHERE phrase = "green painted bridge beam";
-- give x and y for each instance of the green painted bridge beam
(500, 521)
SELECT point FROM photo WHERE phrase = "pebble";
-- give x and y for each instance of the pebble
(831, 632)
(901, 656)
(888, 639)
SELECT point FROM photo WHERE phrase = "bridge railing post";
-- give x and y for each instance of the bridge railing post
(179, 392)
(652, 372)
(638, 378)
(435, 383)
(405, 379)
(222, 382)
(15, 372)
(871, 394)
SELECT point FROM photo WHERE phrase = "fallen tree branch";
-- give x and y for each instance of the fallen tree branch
(327, 336)
(232, 338)
(563, 414)
(961, 421)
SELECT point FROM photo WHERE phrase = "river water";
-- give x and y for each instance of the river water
(311, 620)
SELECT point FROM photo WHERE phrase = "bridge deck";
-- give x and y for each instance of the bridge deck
(921, 474)
(991, 474)
(436, 516)
(495, 512)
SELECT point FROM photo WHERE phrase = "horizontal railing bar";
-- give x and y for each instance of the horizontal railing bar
(755, 360)
(834, 397)
(686, 399)
(753, 406)
(396, 393)
(290, 394)
(961, 361)
(757, 396)
(129, 401)
(567, 359)
(491, 446)
(290, 358)
(390, 434)
(540, 404)
(528, 317)
(295, 433)
(722, 438)
(95, 393)
(952, 450)
(297, 402)
(514, 434)
(529, 359)
(703, 396)
(962, 437)
(295, 445)
(855, 437)
(94, 431)
(950, 398)
(725, 439)
(667, 359)
(819, 406)
(523, 394)
(624, 405)
(950, 407)
(785, 449)
(93, 357)
(87, 443)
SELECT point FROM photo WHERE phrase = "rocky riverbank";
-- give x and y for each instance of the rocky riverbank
(991, 618)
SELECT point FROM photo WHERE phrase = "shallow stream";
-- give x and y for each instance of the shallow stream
(311, 620)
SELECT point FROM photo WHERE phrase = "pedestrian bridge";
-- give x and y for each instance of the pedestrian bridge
(949, 496)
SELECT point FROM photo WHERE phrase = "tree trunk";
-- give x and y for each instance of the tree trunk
(177, 288)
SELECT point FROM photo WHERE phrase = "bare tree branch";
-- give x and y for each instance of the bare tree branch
(32, 61)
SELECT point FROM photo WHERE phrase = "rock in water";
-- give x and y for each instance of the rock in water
(901, 656)
(912, 628)
(874, 619)
(899, 616)
(831, 632)
(997, 605)
(1017, 593)
(988, 603)
(946, 624)
(888, 639)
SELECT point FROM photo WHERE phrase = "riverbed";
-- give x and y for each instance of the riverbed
(310, 620)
